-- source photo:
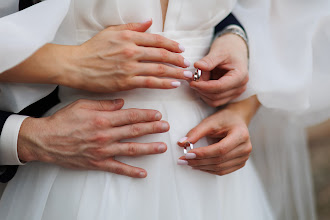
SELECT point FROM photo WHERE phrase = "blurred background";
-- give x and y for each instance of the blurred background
(319, 143)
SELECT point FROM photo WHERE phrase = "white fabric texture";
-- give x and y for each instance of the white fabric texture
(8, 140)
(23, 35)
(289, 72)
(41, 191)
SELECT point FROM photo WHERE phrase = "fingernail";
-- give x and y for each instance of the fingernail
(161, 148)
(186, 63)
(118, 101)
(190, 156)
(158, 116)
(188, 74)
(146, 21)
(182, 162)
(165, 126)
(142, 174)
(182, 48)
(182, 140)
(176, 84)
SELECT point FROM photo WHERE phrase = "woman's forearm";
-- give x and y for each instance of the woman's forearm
(45, 66)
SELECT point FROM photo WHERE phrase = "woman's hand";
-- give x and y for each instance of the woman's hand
(233, 149)
(225, 71)
(118, 58)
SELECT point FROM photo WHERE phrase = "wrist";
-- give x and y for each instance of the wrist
(29, 139)
(246, 108)
(65, 67)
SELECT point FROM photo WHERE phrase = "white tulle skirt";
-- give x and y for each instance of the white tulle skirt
(43, 191)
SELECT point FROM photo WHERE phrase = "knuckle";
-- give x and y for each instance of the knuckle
(221, 151)
(99, 138)
(129, 52)
(135, 130)
(161, 70)
(119, 170)
(133, 116)
(164, 55)
(245, 134)
(159, 40)
(148, 83)
(132, 149)
(126, 34)
(100, 122)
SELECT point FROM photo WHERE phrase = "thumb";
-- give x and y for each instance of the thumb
(140, 27)
(208, 63)
(195, 134)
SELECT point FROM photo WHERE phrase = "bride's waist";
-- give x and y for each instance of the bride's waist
(181, 94)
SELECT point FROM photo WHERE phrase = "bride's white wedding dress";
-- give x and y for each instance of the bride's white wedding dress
(43, 191)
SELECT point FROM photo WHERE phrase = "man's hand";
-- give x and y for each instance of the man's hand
(225, 71)
(87, 135)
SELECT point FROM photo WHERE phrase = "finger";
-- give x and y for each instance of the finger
(209, 62)
(140, 27)
(223, 166)
(120, 168)
(234, 138)
(225, 172)
(138, 130)
(163, 56)
(135, 149)
(153, 83)
(198, 132)
(218, 103)
(243, 150)
(132, 116)
(160, 70)
(100, 105)
(232, 79)
(223, 95)
(157, 41)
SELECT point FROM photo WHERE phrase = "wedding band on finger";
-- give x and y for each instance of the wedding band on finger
(197, 74)
(187, 147)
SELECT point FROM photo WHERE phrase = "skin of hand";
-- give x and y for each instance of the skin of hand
(224, 71)
(119, 58)
(229, 127)
(86, 135)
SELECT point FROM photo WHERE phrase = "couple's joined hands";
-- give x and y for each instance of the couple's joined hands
(120, 66)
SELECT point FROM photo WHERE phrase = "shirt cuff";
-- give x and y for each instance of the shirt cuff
(8, 140)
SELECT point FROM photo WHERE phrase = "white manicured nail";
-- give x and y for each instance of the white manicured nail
(176, 84)
(182, 162)
(182, 48)
(182, 140)
(188, 74)
(190, 156)
(186, 63)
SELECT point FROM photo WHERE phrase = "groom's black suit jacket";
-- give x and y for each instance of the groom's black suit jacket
(39, 108)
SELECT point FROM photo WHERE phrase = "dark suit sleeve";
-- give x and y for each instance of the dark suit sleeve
(6, 172)
(229, 20)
